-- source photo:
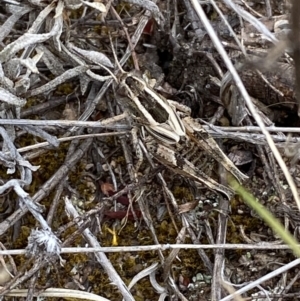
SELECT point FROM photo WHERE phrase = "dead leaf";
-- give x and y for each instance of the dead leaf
(69, 112)
(187, 207)
(107, 188)
(120, 214)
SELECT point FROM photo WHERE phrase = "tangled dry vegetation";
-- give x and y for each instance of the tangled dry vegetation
(77, 170)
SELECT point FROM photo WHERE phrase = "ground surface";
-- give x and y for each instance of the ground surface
(123, 205)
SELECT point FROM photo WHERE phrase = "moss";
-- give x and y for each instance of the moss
(183, 193)
(166, 233)
(102, 30)
(76, 14)
(22, 240)
(31, 102)
(120, 160)
(65, 88)
(74, 260)
(110, 141)
(249, 223)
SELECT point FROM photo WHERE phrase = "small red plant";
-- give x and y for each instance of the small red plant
(108, 190)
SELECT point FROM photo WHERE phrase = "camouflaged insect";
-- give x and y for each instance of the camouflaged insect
(159, 117)
(173, 141)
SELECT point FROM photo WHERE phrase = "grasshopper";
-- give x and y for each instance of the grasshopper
(173, 141)
(160, 119)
